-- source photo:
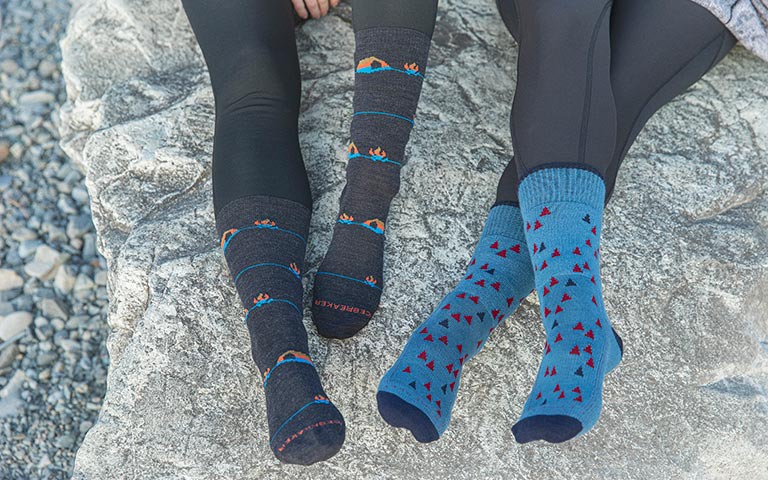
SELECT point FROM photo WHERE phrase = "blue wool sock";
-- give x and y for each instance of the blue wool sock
(563, 209)
(419, 391)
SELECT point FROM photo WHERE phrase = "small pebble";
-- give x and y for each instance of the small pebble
(54, 308)
(9, 280)
(14, 323)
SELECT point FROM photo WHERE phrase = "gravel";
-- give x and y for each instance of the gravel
(53, 296)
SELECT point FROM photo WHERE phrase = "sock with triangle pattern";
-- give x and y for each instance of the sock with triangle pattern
(562, 209)
(419, 391)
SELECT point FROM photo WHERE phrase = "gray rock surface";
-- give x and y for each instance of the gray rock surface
(685, 265)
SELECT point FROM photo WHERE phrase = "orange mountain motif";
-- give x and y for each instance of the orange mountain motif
(293, 354)
(295, 268)
(371, 63)
(353, 149)
(371, 280)
(266, 221)
(376, 224)
(226, 236)
(287, 355)
(260, 298)
(346, 218)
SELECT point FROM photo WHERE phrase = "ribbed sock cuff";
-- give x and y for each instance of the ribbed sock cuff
(562, 185)
(394, 38)
(241, 212)
(506, 220)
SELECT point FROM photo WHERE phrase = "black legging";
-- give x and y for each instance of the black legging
(658, 48)
(250, 49)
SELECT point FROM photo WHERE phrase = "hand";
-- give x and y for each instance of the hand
(315, 8)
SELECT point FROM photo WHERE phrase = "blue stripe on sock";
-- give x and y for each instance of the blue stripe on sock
(313, 402)
(250, 267)
(369, 71)
(261, 227)
(287, 360)
(386, 114)
(361, 224)
(272, 300)
(373, 159)
(349, 278)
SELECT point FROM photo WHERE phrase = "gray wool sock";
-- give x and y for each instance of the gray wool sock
(264, 242)
(390, 64)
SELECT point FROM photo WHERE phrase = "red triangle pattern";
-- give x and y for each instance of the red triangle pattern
(584, 351)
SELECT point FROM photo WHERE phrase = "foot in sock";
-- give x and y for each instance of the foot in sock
(264, 241)
(388, 78)
(563, 209)
(419, 391)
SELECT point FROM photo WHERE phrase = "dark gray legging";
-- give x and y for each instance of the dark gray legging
(591, 73)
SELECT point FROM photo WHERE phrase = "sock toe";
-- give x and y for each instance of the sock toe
(401, 414)
(336, 318)
(312, 437)
(550, 428)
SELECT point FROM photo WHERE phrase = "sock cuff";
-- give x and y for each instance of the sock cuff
(244, 211)
(394, 45)
(382, 34)
(506, 220)
(564, 184)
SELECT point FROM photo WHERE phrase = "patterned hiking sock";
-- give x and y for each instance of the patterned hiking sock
(264, 241)
(390, 70)
(419, 391)
(563, 210)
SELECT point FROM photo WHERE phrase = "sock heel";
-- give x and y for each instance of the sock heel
(614, 356)
(619, 341)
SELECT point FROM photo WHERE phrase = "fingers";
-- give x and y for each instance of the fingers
(314, 8)
(323, 4)
(300, 8)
